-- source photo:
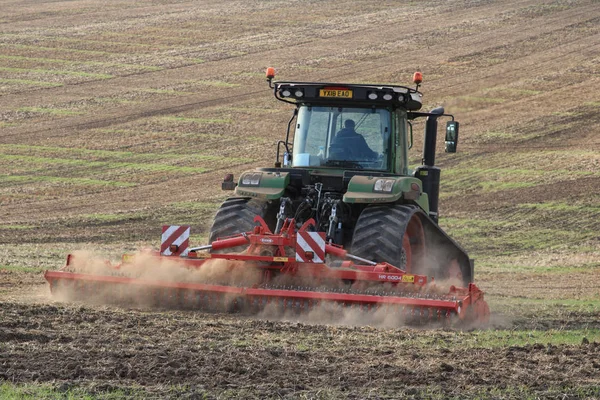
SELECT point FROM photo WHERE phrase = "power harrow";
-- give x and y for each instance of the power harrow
(294, 271)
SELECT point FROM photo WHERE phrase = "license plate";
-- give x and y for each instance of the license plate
(339, 93)
(127, 258)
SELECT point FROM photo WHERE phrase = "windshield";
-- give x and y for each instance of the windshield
(342, 137)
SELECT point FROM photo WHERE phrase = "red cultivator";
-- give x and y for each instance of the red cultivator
(282, 272)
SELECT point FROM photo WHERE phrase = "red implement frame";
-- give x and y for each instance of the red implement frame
(269, 252)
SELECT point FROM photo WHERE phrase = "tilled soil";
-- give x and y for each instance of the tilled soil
(191, 354)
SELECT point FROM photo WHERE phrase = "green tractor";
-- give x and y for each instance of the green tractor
(347, 168)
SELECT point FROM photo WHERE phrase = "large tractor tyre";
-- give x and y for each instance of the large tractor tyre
(236, 215)
(391, 233)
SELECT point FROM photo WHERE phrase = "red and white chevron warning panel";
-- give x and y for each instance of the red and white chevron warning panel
(175, 240)
(310, 247)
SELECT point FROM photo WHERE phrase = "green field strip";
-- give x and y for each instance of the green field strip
(505, 338)
(183, 213)
(46, 391)
(485, 100)
(534, 305)
(110, 155)
(556, 206)
(59, 49)
(16, 268)
(217, 84)
(518, 91)
(113, 218)
(491, 173)
(69, 62)
(51, 111)
(29, 179)
(87, 42)
(42, 164)
(520, 234)
(196, 120)
(17, 227)
(489, 266)
(167, 91)
(56, 72)
(30, 82)
(112, 43)
(158, 134)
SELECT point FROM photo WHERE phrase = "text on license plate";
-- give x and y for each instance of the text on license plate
(342, 93)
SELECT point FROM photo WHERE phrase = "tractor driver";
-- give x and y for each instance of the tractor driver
(351, 145)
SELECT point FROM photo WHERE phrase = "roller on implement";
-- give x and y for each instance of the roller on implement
(281, 244)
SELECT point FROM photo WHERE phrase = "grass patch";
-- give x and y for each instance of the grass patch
(507, 338)
(493, 186)
(110, 155)
(491, 266)
(195, 205)
(17, 227)
(102, 164)
(492, 100)
(491, 135)
(565, 113)
(525, 92)
(70, 62)
(219, 84)
(165, 134)
(55, 72)
(560, 206)
(30, 82)
(506, 237)
(51, 111)
(44, 391)
(16, 268)
(59, 49)
(166, 91)
(26, 179)
(533, 305)
(197, 120)
(107, 218)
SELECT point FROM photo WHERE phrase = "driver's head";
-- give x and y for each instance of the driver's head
(349, 124)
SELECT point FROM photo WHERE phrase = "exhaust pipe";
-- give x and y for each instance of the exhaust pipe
(428, 173)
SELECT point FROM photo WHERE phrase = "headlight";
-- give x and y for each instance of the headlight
(387, 96)
(298, 93)
(372, 96)
(285, 93)
(251, 179)
(383, 185)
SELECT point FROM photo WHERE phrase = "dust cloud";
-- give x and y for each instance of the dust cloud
(154, 283)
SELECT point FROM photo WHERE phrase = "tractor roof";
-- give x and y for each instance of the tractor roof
(348, 94)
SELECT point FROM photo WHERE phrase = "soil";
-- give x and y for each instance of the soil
(111, 348)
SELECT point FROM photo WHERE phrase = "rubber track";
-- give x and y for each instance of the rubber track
(236, 215)
(379, 232)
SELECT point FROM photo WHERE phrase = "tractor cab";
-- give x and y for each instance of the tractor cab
(347, 126)
(342, 137)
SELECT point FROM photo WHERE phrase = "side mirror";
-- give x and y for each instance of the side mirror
(451, 136)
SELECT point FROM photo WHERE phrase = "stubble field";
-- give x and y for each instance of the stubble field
(119, 117)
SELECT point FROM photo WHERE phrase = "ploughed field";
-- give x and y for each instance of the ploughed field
(117, 118)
